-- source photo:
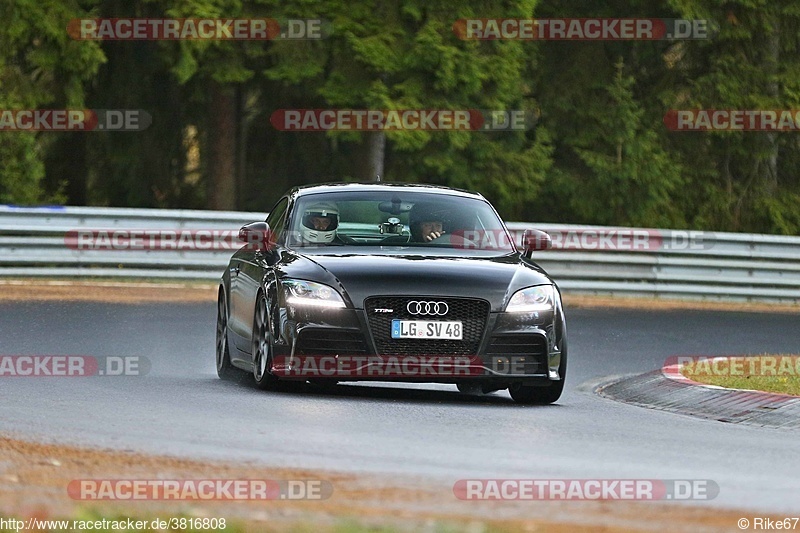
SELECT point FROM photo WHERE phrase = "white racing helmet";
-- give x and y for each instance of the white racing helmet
(325, 210)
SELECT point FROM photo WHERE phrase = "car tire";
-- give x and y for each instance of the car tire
(542, 395)
(261, 347)
(225, 370)
(536, 395)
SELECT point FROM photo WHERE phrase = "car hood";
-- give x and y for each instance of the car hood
(360, 276)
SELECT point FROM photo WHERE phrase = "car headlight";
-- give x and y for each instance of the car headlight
(538, 298)
(301, 292)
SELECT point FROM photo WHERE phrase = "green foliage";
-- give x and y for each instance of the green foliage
(404, 55)
(633, 176)
(222, 61)
(600, 152)
(752, 63)
(22, 170)
(39, 66)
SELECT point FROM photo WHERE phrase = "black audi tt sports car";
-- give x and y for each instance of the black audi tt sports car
(391, 282)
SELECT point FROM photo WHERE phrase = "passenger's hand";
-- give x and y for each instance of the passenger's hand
(433, 235)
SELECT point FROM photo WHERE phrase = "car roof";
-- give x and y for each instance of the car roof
(381, 186)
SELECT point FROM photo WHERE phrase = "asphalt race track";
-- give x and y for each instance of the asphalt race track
(181, 408)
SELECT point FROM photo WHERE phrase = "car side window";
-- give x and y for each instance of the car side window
(277, 219)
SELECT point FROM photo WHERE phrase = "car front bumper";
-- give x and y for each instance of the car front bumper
(339, 344)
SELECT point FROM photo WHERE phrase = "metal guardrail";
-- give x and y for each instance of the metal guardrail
(724, 266)
(33, 243)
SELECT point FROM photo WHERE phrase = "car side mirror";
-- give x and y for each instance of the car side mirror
(534, 240)
(257, 236)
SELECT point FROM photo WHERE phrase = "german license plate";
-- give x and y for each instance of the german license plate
(426, 329)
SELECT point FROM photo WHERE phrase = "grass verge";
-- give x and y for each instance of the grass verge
(769, 373)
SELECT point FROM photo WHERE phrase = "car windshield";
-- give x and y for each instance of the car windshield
(388, 222)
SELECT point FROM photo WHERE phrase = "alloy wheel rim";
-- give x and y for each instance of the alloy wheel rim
(261, 344)
(222, 338)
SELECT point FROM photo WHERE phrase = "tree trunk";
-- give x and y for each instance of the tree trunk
(75, 170)
(770, 176)
(376, 150)
(241, 155)
(222, 151)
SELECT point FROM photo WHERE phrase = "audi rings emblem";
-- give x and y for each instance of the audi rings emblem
(427, 308)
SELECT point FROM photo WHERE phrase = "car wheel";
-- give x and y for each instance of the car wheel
(225, 370)
(542, 395)
(262, 347)
(536, 395)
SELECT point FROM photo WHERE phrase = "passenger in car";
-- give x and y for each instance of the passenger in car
(427, 223)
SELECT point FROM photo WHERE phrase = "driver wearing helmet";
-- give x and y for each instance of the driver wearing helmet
(319, 223)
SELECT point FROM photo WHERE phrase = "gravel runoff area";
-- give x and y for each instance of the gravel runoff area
(34, 478)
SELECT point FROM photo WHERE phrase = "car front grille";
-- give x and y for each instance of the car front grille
(472, 312)
(322, 341)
